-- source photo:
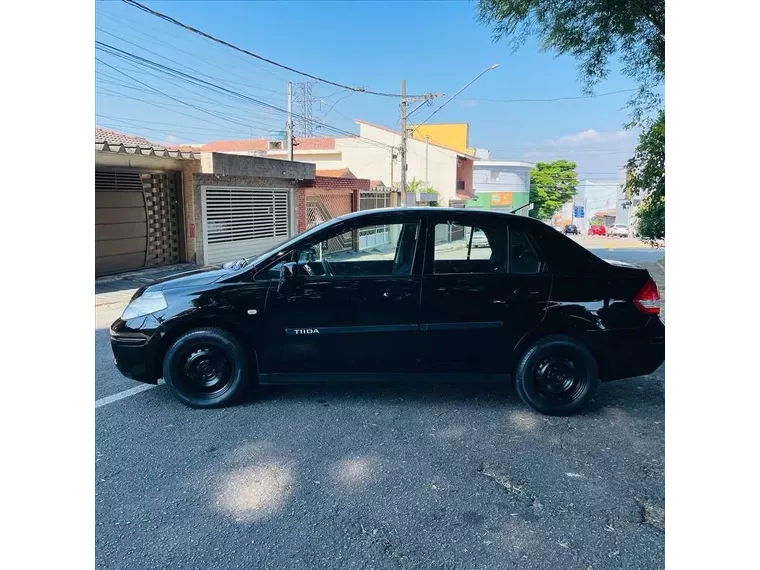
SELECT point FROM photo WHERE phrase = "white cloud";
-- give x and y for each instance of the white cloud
(589, 136)
(171, 139)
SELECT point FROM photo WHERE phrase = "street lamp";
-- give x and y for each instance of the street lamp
(454, 96)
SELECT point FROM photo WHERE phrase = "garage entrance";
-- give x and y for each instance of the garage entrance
(243, 221)
(136, 220)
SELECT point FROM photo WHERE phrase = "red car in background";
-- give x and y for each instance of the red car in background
(597, 231)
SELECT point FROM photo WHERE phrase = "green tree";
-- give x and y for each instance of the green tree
(646, 177)
(552, 184)
(591, 31)
(419, 186)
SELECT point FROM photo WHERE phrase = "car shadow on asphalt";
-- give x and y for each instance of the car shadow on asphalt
(633, 393)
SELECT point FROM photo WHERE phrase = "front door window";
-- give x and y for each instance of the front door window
(380, 250)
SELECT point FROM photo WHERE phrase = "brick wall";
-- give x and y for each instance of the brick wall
(339, 196)
(300, 209)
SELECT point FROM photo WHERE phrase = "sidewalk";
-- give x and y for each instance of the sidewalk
(118, 289)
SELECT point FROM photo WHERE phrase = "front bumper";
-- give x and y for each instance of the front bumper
(134, 347)
(630, 353)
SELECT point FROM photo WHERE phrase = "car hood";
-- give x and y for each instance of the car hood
(194, 278)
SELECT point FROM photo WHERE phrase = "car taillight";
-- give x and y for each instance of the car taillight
(648, 299)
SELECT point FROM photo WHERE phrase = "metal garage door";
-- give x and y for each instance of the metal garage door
(136, 221)
(243, 222)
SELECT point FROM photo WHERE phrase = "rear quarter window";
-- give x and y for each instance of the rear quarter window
(563, 255)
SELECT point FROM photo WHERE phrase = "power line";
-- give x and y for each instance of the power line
(171, 20)
(122, 23)
(122, 54)
(186, 66)
(168, 107)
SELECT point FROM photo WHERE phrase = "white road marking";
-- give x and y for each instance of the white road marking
(121, 395)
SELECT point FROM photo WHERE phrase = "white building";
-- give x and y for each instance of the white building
(596, 196)
(373, 155)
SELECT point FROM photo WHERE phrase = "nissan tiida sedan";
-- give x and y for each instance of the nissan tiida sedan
(400, 294)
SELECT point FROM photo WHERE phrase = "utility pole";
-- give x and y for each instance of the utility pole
(405, 132)
(290, 120)
(403, 142)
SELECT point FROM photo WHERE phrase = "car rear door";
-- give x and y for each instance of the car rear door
(477, 303)
(355, 308)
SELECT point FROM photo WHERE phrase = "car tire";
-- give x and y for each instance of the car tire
(207, 368)
(557, 376)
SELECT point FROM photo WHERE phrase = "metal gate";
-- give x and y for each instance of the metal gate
(325, 205)
(136, 220)
(378, 235)
(242, 221)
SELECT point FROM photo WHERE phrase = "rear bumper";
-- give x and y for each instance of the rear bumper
(134, 353)
(629, 353)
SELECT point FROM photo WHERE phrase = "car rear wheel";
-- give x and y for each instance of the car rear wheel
(557, 376)
(206, 368)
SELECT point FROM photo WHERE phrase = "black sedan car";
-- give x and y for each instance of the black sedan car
(400, 294)
(571, 229)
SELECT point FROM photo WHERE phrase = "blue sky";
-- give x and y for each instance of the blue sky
(437, 46)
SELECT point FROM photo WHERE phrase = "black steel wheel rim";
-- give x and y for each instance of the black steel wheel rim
(203, 371)
(560, 378)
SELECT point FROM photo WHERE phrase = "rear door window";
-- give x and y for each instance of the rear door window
(524, 259)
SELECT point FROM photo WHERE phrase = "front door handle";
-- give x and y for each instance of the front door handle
(522, 294)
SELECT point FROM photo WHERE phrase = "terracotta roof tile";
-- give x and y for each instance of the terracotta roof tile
(336, 173)
(115, 137)
(133, 142)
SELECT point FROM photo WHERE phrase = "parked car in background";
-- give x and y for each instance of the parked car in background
(546, 314)
(571, 229)
(558, 228)
(618, 230)
(597, 231)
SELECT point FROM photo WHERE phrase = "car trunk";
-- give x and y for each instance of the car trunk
(624, 282)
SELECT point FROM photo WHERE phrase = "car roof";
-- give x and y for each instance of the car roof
(440, 212)
(428, 210)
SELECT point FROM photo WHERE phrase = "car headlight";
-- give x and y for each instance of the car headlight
(145, 304)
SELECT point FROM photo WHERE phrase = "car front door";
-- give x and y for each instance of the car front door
(352, 306)
(477, 302)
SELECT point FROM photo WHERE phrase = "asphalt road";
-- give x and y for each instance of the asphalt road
(387, 477)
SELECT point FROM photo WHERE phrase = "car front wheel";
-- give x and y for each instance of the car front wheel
(557, 376)
(206, 368)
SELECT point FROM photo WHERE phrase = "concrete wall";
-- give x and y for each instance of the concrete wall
(240, 165)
